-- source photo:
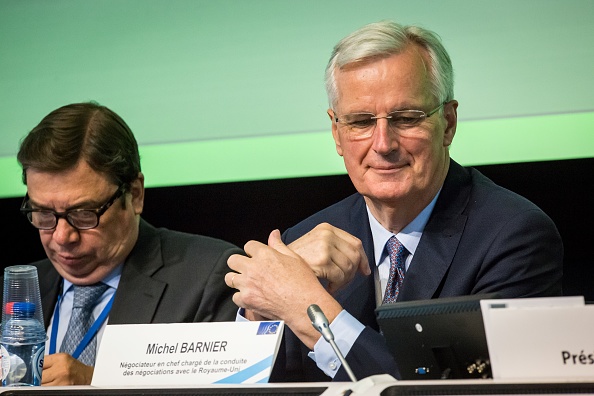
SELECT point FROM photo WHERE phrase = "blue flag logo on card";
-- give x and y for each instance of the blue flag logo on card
(268, 328)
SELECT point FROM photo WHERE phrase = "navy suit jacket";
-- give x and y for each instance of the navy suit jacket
(169, 277)
(480, 238)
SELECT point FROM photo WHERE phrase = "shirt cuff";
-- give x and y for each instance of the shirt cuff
(346, 330)
(240, 317)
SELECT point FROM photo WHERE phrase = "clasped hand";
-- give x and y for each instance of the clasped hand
(279, 282)
(332, 254)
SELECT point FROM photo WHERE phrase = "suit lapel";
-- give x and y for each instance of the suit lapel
(440, 239)
(350, 297)
(138, 294)
(49, 288)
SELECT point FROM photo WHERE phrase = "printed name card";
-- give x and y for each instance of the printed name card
(187, 353)
(540, 338)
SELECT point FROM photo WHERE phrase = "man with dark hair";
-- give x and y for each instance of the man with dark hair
(423, 225)
(85, 194)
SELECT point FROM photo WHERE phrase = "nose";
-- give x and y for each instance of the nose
(384, 141)
(64, 233)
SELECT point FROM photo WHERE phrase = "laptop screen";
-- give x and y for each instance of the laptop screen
(437, 339)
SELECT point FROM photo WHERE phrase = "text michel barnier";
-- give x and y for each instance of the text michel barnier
(187, 347)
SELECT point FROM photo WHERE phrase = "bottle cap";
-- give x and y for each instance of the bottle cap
(20, 309)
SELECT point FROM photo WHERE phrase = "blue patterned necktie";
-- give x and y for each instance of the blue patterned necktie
(396, 252)
(81, 320)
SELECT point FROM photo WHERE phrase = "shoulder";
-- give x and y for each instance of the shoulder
(185, 244)
(498, 201)
(168, 236)
(488, 212)
(468, 192)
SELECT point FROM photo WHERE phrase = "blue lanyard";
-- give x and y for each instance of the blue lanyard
(88, 336)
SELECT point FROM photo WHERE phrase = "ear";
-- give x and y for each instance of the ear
(137, 191)
(335, 132)
(451, 116)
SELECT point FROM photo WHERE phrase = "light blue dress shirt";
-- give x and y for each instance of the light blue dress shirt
(112, 280)
(345, 327)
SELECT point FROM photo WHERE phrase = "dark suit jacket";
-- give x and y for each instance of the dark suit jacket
(480, 238)
(169, 277)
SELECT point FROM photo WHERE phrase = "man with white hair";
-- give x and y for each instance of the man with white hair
(422, 225)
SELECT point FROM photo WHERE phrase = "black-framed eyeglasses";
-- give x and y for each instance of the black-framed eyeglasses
(362, 125)
(81, 219)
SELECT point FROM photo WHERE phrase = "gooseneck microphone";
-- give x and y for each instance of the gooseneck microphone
(320, 323)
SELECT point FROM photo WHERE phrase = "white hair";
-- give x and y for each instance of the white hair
(386, 38)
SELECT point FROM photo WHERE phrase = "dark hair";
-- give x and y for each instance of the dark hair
(82, 131)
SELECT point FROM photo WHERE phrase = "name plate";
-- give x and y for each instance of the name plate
(540, 338)
(187, 353)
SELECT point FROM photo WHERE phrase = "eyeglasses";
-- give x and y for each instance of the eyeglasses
(81, 219)
(360, 126)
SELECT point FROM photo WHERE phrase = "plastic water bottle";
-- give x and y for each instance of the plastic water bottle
(22, 336)
(22, 347)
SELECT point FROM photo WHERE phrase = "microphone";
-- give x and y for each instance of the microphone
(320, 323)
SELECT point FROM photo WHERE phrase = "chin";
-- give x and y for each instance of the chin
(387, 198)
(83, 280)
(390, 190)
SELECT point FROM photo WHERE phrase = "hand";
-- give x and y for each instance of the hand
(332, 254)
(63, 369)
(276, 283)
